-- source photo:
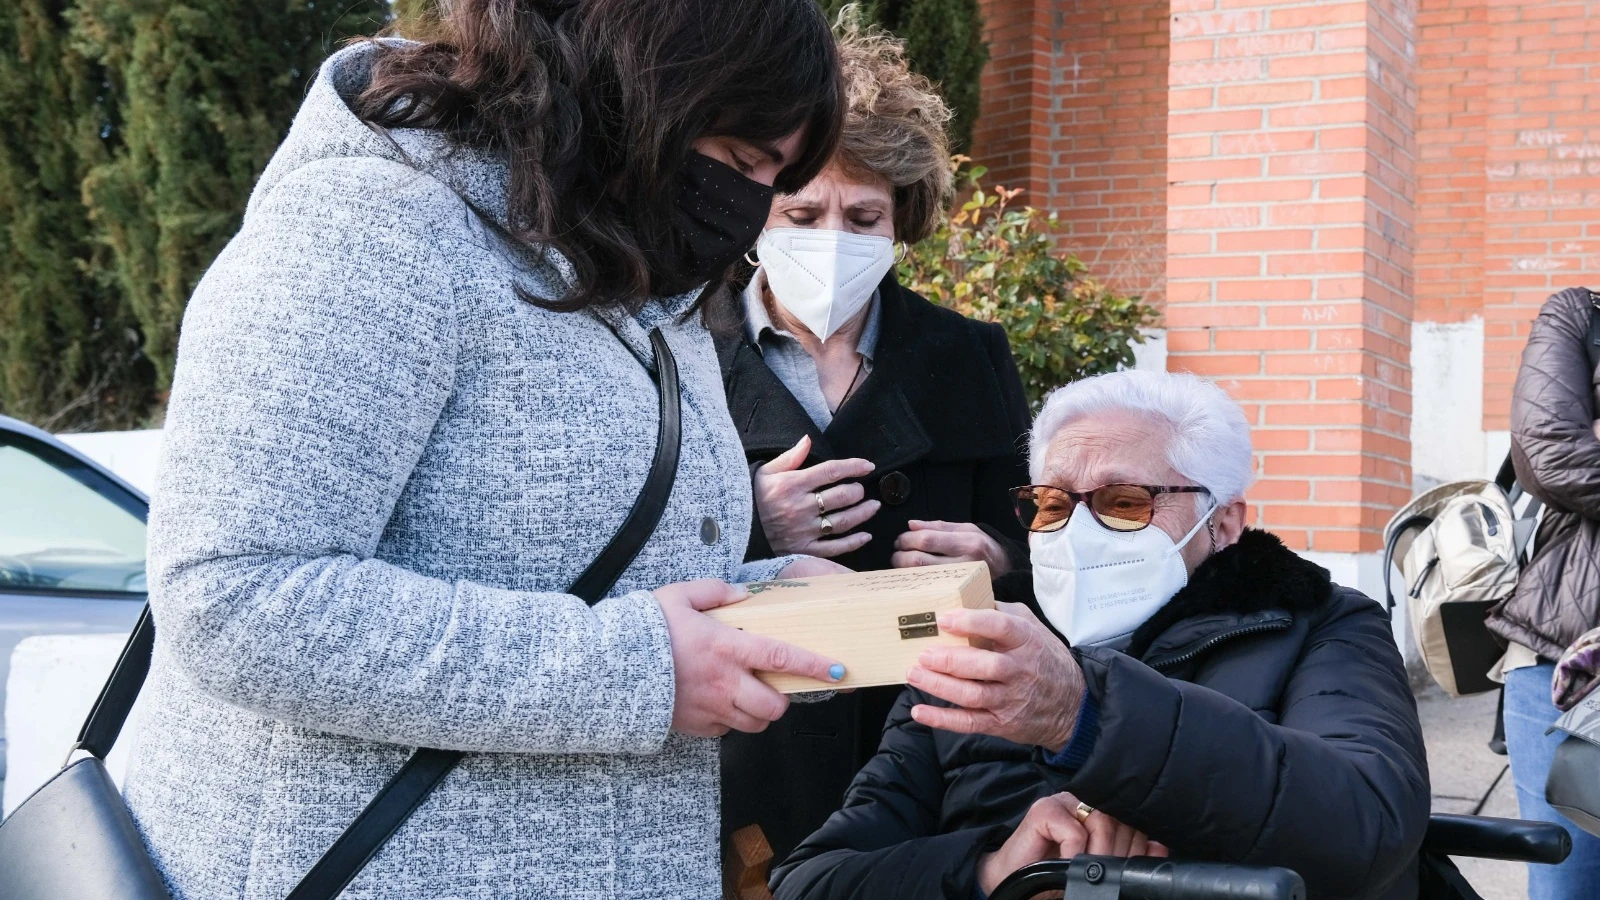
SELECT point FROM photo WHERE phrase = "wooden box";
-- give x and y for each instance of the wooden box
(876, 623)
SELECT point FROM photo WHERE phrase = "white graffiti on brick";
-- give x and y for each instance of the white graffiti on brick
(1537, 264)
(1549, 169)
(1542, 200)
(1199, 24)
(1227, 71)
(1541, 137)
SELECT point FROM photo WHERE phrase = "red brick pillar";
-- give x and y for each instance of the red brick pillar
(1012, 134)
(1289, 251)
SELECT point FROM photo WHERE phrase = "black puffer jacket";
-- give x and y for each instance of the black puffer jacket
(1557, 457)
(1262, 717)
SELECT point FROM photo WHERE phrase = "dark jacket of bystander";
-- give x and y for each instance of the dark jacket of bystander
(1263, 717)
(1557, 456)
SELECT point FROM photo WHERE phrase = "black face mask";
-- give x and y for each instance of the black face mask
(720, 215)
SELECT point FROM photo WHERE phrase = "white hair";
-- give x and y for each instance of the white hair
(1210, 442)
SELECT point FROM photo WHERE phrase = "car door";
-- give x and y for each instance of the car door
(72, 547)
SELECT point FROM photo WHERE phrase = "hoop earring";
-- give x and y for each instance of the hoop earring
(753, 262)
(900, 253)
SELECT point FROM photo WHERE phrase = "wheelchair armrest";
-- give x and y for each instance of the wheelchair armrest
(1088, 877)
(1517, 840)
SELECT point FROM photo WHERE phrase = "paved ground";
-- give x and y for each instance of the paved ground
(1468, 778)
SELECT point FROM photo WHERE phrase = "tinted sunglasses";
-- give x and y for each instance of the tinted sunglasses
(1119, 507)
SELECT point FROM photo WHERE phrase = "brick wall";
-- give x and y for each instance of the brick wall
(1075, 109)
(1333, 171)
(1290, 162)
(1452, 80)
(1509, 174)
(1542, 131)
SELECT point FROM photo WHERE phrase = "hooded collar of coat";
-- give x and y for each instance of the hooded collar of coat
(1255, 585)
(327, 128)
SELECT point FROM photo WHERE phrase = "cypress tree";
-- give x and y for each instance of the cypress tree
(68, 352)
(944, 41)
(206, 90)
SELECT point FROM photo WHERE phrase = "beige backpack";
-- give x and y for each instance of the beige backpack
(1459, 549)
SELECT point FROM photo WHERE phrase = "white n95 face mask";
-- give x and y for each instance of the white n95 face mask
(1097, 585)
(823, 277)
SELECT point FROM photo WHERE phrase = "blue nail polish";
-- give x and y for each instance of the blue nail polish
(836, 671)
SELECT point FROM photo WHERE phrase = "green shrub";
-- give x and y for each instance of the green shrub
(997, 262)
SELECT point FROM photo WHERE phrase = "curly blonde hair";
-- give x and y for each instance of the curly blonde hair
(894, 126)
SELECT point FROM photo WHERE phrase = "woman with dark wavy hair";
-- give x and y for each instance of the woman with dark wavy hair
(413, 402)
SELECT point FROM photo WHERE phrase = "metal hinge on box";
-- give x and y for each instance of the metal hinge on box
(918, 625)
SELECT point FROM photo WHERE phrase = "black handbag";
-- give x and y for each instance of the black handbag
(1573, 785)
(74, 837)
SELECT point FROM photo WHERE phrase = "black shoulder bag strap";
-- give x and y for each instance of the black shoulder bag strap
(111, 708)
(406, 791)
(410, 786)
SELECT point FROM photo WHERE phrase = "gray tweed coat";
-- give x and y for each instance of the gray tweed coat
(381, 470)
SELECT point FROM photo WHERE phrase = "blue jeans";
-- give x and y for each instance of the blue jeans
(1528, 713)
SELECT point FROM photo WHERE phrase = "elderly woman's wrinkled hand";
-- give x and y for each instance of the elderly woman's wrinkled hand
(1056, 828)
(943, 543)
(807, 510)
(1024, 685)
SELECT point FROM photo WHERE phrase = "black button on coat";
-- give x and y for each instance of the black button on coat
(894, 488)
(944, 419)
(1262, 717)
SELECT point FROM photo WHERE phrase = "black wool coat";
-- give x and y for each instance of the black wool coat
(944, 419)
(1262, 717)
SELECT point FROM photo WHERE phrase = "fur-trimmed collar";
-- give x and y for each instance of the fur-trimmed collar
(1255, 574)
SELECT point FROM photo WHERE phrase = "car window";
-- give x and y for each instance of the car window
(58, 533)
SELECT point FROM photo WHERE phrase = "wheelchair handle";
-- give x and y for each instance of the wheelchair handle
(1517, 840)
(1088, 877)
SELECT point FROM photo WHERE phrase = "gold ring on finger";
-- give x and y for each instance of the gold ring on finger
(1083, 811)
(827, 526)
(821, 507)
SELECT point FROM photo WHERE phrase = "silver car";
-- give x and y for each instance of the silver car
(71, 546)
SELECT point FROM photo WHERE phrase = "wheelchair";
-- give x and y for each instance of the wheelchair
(1086, 877)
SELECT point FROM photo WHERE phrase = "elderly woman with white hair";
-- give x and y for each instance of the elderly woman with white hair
(1171, 679)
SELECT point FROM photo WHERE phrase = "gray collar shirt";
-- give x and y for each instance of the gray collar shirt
(787, 357)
